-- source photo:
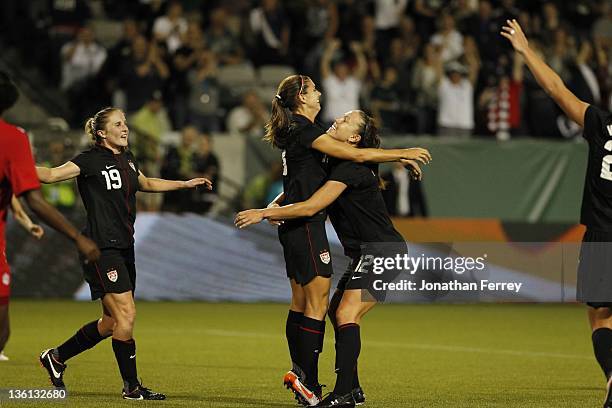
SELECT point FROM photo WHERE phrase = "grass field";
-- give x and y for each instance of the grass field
(234, 355)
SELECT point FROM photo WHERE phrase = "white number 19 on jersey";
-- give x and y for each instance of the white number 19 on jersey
(113, 179)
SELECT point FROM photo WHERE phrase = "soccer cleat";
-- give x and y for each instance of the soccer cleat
(142, 393)
(304, 395)
(333, 401)
(608, 401)
(3, 357)
(54, 368)
(358, 396)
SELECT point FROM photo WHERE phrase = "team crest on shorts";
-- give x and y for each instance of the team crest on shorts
(132, 166)
(324, 255)
(6, 279)
(112, 275)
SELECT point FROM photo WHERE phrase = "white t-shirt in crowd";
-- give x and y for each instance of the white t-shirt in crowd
(452, 45)
(456, 104)
(388, 13)
(172, 32)
(85, 62)
(340, 96)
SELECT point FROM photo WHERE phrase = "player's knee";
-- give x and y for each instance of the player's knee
(345, 315)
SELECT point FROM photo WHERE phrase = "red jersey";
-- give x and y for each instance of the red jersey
(17, 174)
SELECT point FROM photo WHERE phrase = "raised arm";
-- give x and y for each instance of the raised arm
(156, 185)
(548, 79)
(66, 171)
(331, 47)
(322, 198)
(335, 148)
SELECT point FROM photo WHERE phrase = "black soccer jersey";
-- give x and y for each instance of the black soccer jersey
(596, 211)
(359, 215)
(108, 183)
(304, 169)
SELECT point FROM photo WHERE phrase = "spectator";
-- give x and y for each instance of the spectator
(262, 186)
(82, 60)
(456, 95)
(551, 22)
(387, 14)
(221, 40)
(171, 27)
(142, 74)
(484, 28)
(448, 39)
(500, 102)
(425, 78)
(350, 16)
(403, 197)
(270, 34)
(184, 59)
(562, 53)
(249, 118)
(205, 164)
(148, 125)
(122, 50)
(61, 195)
(408, 36)
(602, 29)
(177, 165)
(426, 13)
(204, 93)
(321, 25)
(341, 87)
(386, 102)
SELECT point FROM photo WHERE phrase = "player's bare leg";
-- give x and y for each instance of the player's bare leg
(123, 311)
(5, 329)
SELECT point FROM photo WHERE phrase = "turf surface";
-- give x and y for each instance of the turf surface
(234, 355)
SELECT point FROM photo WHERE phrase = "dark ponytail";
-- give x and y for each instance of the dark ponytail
(284, 103)
(370, 138)
(98, 122)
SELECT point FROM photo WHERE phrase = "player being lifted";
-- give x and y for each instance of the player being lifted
(108, 178)
(596, 213)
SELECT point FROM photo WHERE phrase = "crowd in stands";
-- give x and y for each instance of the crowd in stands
(418, 66)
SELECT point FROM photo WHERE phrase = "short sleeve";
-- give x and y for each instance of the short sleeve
(593, 121)
(347, 173)
(21, 170)
(308, 134)
(81, 161)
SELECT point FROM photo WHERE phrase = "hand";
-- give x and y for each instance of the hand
(248, 217)
(356, 47)
(418, 154)
(513, 32)
(413, 168)
(274, 222)
(198, 182)
(88, 248)
(334, 44)
(36, 231)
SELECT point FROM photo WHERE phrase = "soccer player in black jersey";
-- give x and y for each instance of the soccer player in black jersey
(359, 215)
(596, 212)
(108, 178)
(304, 144)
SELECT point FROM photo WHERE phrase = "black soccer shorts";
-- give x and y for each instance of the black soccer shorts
(115, 272)
(594, 285)
(306, 251)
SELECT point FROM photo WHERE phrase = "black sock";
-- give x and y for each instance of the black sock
(292, 327)
(310, 343)
(125, 353)
(84, 339)
(602, 345)
(349, 346)
(356, 378)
